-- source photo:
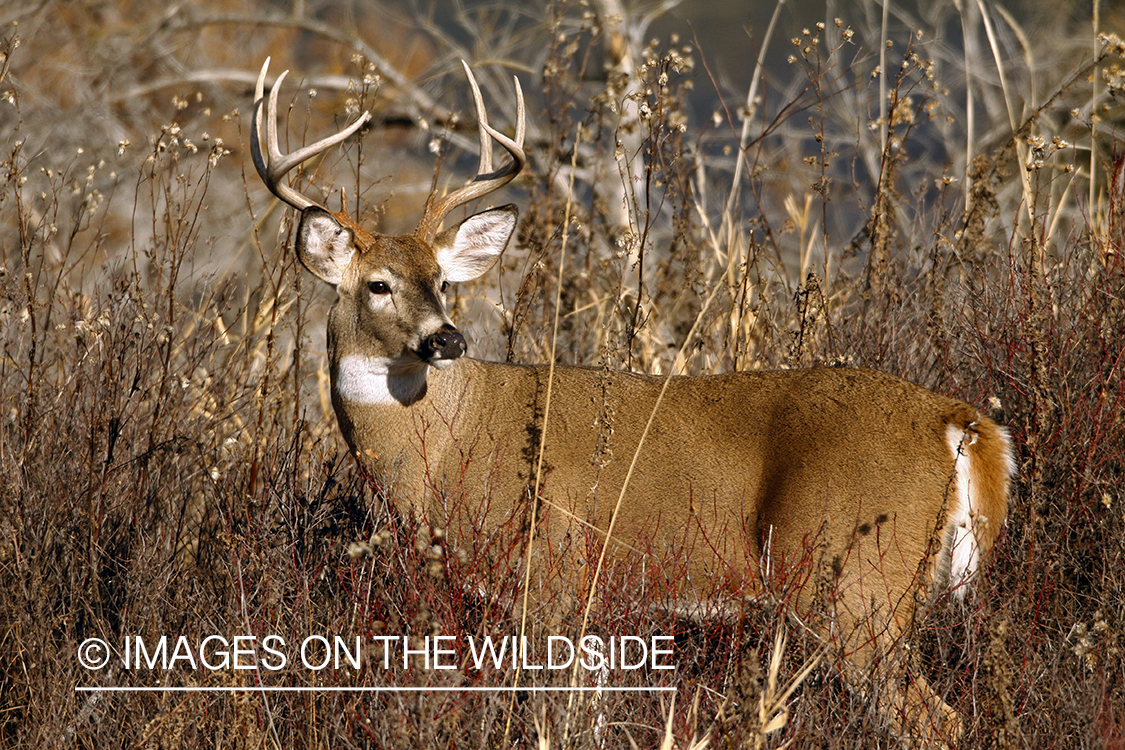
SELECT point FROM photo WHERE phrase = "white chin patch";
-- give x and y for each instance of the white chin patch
(441, 364)
(374, 381)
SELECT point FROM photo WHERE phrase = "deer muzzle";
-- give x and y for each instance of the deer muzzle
(447, 343)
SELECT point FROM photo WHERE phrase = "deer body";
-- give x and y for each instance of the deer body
(789, 456)
(876, 483)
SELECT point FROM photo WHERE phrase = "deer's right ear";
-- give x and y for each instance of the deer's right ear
(324, 245)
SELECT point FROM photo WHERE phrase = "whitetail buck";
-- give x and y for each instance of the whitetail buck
(884, 485)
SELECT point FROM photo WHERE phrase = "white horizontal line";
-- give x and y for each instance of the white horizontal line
(384, 689)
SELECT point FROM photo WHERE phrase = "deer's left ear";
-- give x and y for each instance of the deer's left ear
(468, 250)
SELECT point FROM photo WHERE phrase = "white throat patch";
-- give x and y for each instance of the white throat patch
(378, 382)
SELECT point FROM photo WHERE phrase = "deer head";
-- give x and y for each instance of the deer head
(391, 305)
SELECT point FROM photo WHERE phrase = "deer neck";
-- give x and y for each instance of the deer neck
(368, 381)
(390, 401)
(398, 418)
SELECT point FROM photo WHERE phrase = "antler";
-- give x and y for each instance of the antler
(273, 165)
(486, 180)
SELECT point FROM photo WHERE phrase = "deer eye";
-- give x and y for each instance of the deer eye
(444, 286)
(378, 287)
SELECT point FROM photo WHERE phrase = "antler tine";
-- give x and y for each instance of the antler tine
(486, 180)
(485, 165)
(272, 166)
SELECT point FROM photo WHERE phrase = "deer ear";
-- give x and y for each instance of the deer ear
(468, 250)
(324, 245)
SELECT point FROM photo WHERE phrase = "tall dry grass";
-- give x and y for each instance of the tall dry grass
(169, 463)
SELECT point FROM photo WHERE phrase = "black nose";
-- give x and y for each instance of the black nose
(447, 343)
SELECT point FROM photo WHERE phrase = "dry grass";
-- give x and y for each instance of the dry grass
(169, 463)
